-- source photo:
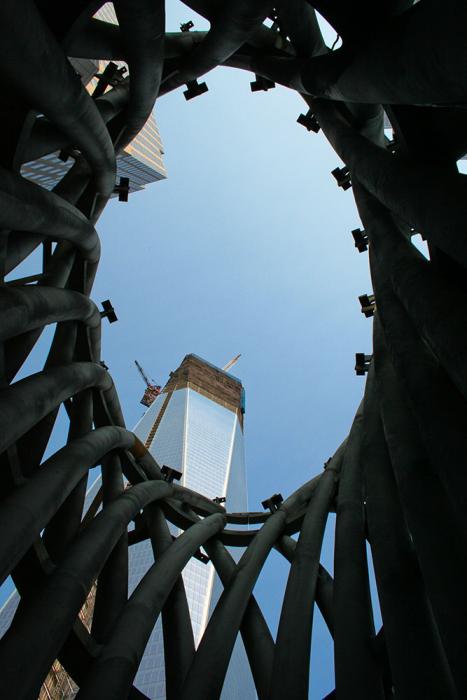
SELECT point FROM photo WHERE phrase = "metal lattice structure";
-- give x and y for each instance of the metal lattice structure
(398, 481)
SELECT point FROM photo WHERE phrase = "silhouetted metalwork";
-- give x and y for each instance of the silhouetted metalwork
(399, 480)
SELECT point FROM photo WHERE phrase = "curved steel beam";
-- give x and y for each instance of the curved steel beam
(427, 198)
(259, 644)
(55, 90)
(415, 655)
(438, 543)
(142, 30)
(399, 269)
(112, 591)
(293, 646)
(371, 69)
(356, 670)
(29, 508)
(114, 669)
(25, 308)
(65, 592)
(26, 402)
(231, 27)
(28, 207)
(179, 644)
(206, 676)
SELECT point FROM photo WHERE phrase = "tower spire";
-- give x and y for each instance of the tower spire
(232, 362)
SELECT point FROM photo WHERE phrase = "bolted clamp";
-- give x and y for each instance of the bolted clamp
(109, 311)
(170, 474)
(367, 302)
(219, 499)
(261, 84)
(112, 75)
(342, 176)
(362, 363)
(186, 26)
(194, 89)
(123, 189)
(360, 240)
(309, 121)
(273, 502)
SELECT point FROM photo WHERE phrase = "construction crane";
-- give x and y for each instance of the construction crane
(152, 390)
(232, 362)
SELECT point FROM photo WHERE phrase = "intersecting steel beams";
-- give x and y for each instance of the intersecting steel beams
(116, 666)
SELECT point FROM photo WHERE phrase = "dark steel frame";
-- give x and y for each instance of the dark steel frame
(398, 481)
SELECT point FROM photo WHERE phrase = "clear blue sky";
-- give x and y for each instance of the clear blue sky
(246, 247)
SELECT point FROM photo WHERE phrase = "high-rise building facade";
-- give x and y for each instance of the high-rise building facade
(196, 427)
(141, 161)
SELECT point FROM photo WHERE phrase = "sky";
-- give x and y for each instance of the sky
(245, 248)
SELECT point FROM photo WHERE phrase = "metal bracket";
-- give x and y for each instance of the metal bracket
(309, 121)
(360, 239)
(342, 176)
(186, 26)
(194, 89)
(273, 502)
(112, 75)
(367, 302)
(362, 363)
(123, 189)
(109, 311)
(170, 474)
(261, 83)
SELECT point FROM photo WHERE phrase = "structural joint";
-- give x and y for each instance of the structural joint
(367, 302)
(194, 89)
(261, 83)
(309, 121)
(273, 502)
(170, 474)
(342, 176)
(362, 363)
(109, 311)
(360, 240)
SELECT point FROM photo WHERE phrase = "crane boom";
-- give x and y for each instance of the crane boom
(142, 373)
(152, 390)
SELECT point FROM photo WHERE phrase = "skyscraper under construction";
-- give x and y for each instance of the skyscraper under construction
(195, 427)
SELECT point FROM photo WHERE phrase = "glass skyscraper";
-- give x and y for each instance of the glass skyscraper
(196, 427)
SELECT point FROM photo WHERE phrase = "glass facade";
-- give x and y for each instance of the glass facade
(203, 440)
